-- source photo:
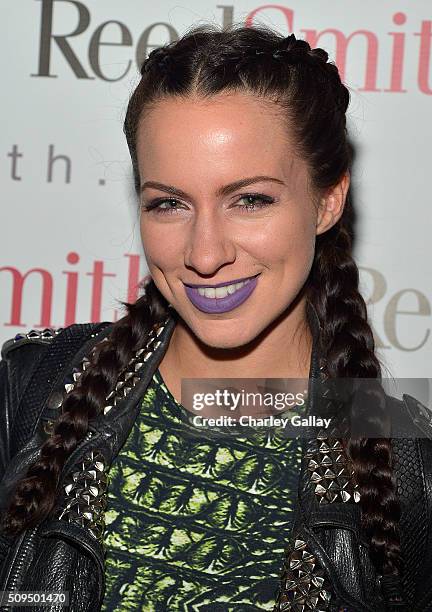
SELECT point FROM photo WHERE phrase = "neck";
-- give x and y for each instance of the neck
(283, 350)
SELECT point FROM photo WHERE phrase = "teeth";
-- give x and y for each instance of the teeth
(221, 292)
(210, 292)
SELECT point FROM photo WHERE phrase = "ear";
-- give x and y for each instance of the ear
(332, 204)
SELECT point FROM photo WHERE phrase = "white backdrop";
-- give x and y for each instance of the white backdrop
(69, 232)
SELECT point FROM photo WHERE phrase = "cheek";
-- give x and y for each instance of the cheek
(162, 245)
(286, 237)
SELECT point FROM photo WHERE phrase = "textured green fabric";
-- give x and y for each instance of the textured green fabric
(197, 522)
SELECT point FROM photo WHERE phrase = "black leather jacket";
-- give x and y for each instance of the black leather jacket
(327, 563)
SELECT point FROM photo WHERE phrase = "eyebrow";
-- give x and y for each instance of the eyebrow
(221, 192)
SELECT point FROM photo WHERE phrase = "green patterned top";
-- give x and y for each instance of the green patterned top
(197, 522)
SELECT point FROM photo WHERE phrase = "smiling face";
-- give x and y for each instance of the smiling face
(213, 230)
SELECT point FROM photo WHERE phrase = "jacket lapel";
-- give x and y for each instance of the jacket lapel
(323, 565)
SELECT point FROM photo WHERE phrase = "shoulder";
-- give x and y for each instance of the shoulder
(21, 354)
(32, 363)
(40, 339)
(410, 417)
(33, 336)
(25, 348)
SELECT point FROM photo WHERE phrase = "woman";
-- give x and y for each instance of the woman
(241, 163)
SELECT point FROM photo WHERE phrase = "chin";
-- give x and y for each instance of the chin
(223, 335)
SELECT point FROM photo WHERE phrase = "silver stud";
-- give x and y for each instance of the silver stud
(304, 584)
(129, 378)
(36, 334)
(85, 495)
(331, 472)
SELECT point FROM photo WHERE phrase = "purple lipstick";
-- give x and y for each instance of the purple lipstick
(222, 304)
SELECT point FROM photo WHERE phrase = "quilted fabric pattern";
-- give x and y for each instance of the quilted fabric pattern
(195, 522)
(413, 524)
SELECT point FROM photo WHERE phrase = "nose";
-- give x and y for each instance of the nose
(210, 244)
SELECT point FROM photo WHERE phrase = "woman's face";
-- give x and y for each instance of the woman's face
(208, 233)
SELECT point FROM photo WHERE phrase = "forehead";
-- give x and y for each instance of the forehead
(228, 134)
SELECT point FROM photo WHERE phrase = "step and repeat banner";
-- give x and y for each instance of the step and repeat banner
(70, 233)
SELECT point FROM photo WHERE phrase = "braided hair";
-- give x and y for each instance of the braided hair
(205, 61)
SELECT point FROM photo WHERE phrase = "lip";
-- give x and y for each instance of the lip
(224, 304)
(230, 282)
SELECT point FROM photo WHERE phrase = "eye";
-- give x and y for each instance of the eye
(263, 201)
(156, 206)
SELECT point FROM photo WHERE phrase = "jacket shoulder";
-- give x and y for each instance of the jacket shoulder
(45, 337)
(30, 366)
(34, 337)
(410, 417)
(419, 413)
(39, 355)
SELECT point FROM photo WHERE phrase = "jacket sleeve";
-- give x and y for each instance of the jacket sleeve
(18, 361)
(4, 416)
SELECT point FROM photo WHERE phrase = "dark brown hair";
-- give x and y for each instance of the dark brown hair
(308, 91)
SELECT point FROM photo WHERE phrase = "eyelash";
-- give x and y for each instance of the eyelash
(155, 204)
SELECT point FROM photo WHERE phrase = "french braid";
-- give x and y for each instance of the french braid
(347, 345)
(35, 494)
